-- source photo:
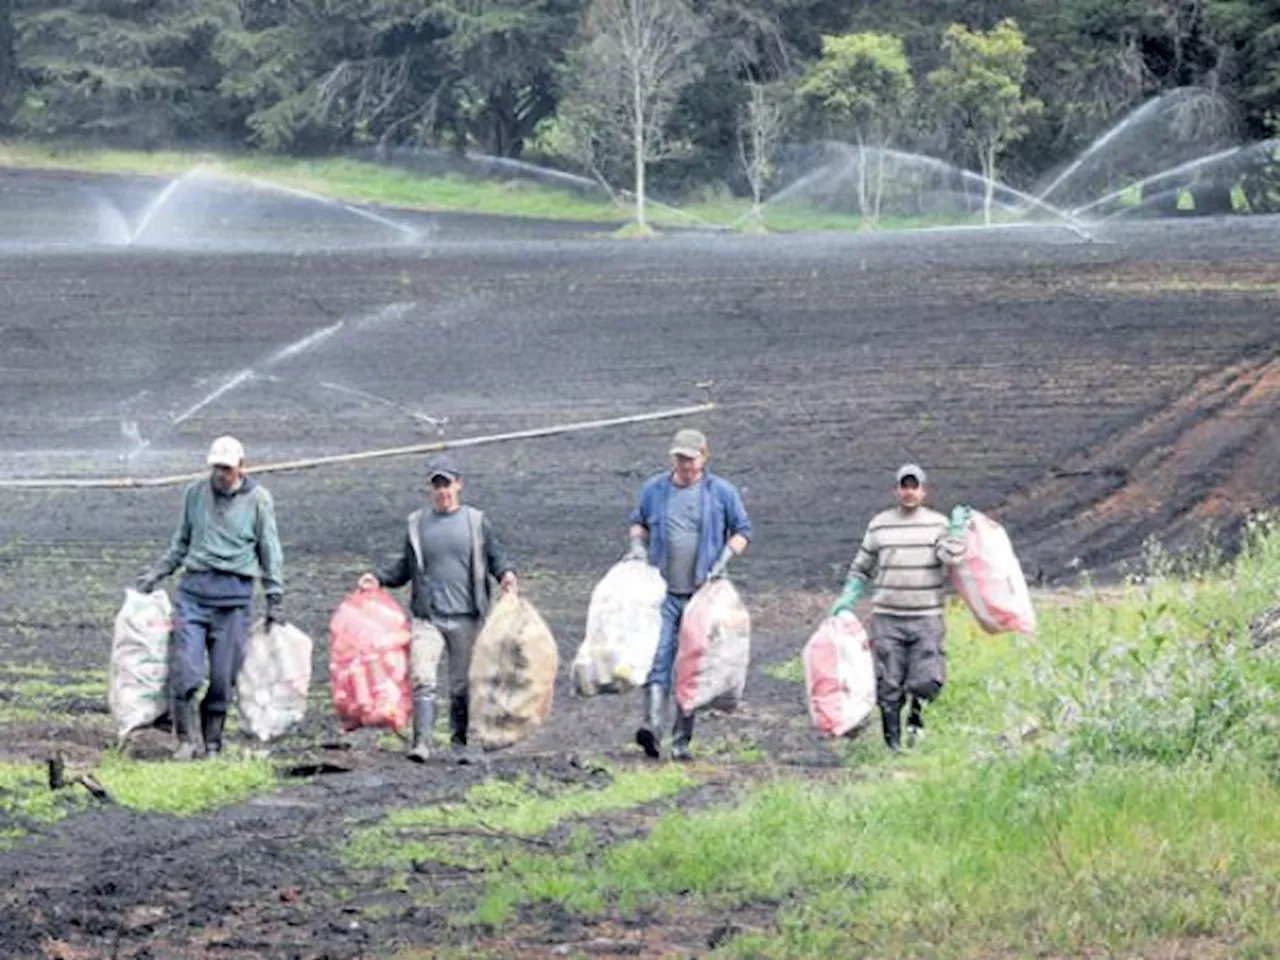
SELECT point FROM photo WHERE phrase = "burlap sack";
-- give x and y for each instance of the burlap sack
(513, 674)
(138, 678)
(840, 676)
(715, 649)
(271, 690)
(624, 620)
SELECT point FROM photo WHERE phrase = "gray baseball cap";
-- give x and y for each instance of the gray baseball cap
(443, 465)
(911, 470)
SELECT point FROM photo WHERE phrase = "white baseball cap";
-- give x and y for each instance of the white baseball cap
(225, 452)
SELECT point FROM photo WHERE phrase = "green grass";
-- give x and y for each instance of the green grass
(41, 692)
(496, 811)
(1111, 784)
(26, 800)
(1004, 858)
(366, 182)
(351, 180)
(177, 788)
(185, 788)
(790, 671)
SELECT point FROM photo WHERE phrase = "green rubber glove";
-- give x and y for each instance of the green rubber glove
(853, 589)
(960, 517)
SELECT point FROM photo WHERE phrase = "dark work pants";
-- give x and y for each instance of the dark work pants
(218, 634)
(911, 658)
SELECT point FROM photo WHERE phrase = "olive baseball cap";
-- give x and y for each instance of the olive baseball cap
(688, 443)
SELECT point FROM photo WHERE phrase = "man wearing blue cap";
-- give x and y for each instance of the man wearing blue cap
(449, 556)
(689, 524)
(905, 556)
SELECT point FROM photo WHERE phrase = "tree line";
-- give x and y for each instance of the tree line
(690, 92)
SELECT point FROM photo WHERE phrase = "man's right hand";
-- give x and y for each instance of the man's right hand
(146, 583)
(848, 597)
(637, 550)
(368, 582)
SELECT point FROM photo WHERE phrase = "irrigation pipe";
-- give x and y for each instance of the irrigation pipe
(286, 466)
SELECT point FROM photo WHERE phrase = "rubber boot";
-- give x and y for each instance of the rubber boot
(424, 722)
(681, 734)
(211, 726)
(915, 723)
(891, 721)
(185, 719)
(649, 736)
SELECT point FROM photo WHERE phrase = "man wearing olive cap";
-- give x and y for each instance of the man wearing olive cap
(689, 523)
(449, 555)
(905, 555)
(226, 538)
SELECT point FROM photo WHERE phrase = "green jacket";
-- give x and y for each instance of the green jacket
(233, 533)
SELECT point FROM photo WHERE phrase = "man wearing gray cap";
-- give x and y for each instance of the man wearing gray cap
(226, 538)
(905, 555)
(449, 555)
(689, 523)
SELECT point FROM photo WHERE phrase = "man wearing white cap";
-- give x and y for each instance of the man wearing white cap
(226, 539)
(905, 555)
(689, 523)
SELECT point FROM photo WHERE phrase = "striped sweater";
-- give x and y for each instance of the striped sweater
(905, 555)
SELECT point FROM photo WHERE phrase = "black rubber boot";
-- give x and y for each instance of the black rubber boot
(211, 726)
(458, 720)
(681, 735)
(185, 719)
(915, 723)
(424, 722)
(891, 721)
(649, 736)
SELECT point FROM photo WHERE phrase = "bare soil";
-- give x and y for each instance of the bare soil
(1090, 395)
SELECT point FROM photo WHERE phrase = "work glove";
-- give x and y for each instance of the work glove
(637, 550)
(721, 566)
(960, 517)
(275, 612)
(853, 589)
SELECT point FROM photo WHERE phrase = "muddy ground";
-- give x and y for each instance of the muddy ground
(1090, 394)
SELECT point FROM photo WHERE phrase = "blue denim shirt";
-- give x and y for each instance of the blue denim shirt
(723, 516)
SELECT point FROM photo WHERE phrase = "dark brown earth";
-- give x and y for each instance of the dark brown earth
(1091, 395)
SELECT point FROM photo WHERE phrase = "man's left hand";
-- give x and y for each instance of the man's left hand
(275, 611)
(509, 583)
(721, 566)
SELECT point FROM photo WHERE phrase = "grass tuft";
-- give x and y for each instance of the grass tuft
(496, 811)
(185, 788)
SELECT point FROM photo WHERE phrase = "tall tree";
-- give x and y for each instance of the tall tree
(980, 95)
(760, 126)
(137, 73)
(313, 73)
(861, 89)
(635, 59)
(505, 54)
(8, 66)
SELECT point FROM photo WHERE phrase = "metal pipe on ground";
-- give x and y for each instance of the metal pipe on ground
(418, 449)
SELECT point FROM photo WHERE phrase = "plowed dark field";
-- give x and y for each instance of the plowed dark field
(1092, 395)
